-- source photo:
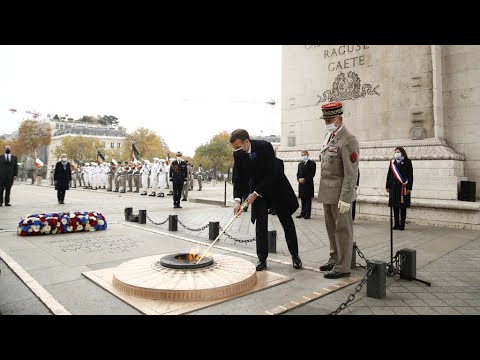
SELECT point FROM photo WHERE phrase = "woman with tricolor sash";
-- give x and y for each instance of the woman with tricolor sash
(399, 186)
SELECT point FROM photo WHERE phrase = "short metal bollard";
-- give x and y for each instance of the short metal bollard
(377, 281)
(128, 211)
(408, 264)
(353, 265)
(272, 241)
(172, 222)
(142, 216)
(213, 230)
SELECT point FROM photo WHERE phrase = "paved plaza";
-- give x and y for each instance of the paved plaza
(449, 258)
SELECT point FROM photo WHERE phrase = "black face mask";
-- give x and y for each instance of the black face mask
(8, 151)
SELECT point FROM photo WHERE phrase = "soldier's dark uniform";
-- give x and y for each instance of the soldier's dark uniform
(178, 176)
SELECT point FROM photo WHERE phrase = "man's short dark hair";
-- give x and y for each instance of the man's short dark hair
(239, 134)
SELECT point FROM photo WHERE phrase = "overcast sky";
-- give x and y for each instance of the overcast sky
(184, 93)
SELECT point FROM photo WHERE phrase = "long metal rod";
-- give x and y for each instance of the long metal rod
(224, 229)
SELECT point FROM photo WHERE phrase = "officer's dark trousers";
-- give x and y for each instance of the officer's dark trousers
(177, 193)
(260, 209)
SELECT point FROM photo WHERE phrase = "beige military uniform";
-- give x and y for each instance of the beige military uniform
(339, 170)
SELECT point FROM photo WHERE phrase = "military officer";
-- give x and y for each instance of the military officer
(80, 176)
(145, 172)
(189, 179)
(178, 177)
(161, 178)
(339, 169)
(136, 175)
(110, 174)
(123, 177)
(130, 171)
(116, 178)
(73, 182)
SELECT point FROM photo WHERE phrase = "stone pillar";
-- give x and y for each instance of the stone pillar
(437, 89)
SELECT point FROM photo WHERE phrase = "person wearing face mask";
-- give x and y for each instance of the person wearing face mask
(8, 174)
(399, 186)
(305, 174)
(339, 170)
(178, 177)
(62, 177)
(254, 166)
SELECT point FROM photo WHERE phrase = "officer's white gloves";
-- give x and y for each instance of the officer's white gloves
(343, 207)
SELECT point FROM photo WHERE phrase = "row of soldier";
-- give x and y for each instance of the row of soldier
(152, 178)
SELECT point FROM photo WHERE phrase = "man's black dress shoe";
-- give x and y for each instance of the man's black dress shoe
(261, 265)
(297, 262)
(327, 267)
(401, 227)
(299, 216)
(307, 217)
(335, 275)
(396, 227)
(8, 205)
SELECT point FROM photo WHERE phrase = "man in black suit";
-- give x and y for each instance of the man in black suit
(62, 177)
(255, 165)
(305, 174)
(8, 174)
(178, 177)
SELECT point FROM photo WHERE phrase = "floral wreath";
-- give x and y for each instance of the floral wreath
(59, 223)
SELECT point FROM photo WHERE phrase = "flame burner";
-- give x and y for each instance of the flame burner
(185, 261)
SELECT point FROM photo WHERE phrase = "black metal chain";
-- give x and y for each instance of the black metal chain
(359, 252)
(351, 297)
(190, 229)
(394, 266)
(155, 223)
(235, 239)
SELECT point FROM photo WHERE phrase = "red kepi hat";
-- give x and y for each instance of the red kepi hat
(331, 110)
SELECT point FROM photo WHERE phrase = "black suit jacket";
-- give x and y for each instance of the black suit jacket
(306, 171)
(62, 177)
(261, 175)
(8, 171)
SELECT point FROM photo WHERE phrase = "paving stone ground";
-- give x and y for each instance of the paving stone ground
(449, 258)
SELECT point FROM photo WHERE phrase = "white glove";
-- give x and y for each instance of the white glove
(343, 207)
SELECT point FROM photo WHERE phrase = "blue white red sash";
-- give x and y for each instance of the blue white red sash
(399, 177)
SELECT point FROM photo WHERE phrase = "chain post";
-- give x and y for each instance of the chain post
(351, 297)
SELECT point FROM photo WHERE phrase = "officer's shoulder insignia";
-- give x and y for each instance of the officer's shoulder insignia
(353, 157)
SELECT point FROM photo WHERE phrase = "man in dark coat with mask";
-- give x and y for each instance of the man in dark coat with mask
(8, 174)
(62, 177)
(256, 166)
(305, 174)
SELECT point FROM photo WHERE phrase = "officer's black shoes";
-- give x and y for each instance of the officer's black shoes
(122, 191)
(184, 199)
(335, 275)
(327, 267)
(299, 216)
(396, 227)
(129, 191)
(161, 195)
(297, 263)
(144, 193)
(401, 227)
(261, 265)
(307, 217)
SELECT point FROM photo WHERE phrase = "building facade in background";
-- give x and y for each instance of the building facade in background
(425, 98)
